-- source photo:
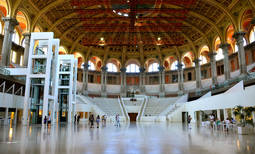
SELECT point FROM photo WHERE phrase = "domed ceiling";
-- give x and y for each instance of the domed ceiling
(135, 28)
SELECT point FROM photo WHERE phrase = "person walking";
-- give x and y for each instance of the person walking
(189, 120)
(98, 120)
(45, 120)
(78, 119)
(75, 117)
(91, 120)
(117, 118)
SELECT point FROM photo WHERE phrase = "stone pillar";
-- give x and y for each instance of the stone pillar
(225, 112)
(240, 44)
(142, 80)
(213, 68)
(162, 81)
(224, 48)
(15, 116)
(198, 74)
(253, 116)
(123, 81)
(103, 81)
(85, 79)
(218, 114)
(9, 25)
(180, 77)
(27, 37)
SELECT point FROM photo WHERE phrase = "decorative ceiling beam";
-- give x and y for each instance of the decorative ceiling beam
(225, 10)
(46, 9)
(15, 8)
(205, 19)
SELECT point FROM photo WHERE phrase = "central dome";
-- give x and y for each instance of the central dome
(124, 8)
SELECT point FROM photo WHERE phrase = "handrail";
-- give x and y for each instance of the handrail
(4, 71)
(140, 114)
(123, 109)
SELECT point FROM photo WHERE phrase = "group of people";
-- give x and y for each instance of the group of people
(47, 120)
(77, 118)
(92, 119)
(217, 122)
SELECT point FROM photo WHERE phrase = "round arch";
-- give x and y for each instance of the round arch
(203, 54)
(24, 20)
(97, 61)
(133, 61)
(149, 62)
(187, 58)
(114, 61)
(168, 61)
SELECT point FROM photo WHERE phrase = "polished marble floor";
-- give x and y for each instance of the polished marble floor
(142, 138)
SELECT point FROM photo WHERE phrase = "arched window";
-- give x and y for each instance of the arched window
(174, 65)
(219, 55)
(153, 67)
(203, 60)
(111, 67)
(252, 35)
(133, 68)
(219, 51)
(15, 37)
(91, 66)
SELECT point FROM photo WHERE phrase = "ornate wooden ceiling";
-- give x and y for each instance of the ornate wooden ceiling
(135, 27)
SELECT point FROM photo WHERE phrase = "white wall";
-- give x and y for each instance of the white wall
(11, 101)
(113, 89)
(221, 101)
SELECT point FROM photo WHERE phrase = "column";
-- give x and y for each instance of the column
(123, 81)
(85, 79)
(253, 116)
(15, 116)
(240, 44)
(27, 37)
(218, 114)
(180, 77)
(142, 80)
(103, 81)
(224, 48)
(198, 73)
(162, 81)
(213, 68)
(225, 112)
(9, 25)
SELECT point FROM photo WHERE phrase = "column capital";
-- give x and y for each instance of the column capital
(10, 23)
(142, 69)
(212, 54)
(239, 35)
(179, 66)
(104, 68)
(224, 46)
(27, 34)
(13, 21)
(123, 70)
(161, 68)
(196, 61)
(86, 66)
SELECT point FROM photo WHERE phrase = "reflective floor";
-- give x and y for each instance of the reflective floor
(143, 138)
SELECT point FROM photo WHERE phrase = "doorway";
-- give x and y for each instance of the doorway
(184, 117)
(132, 116)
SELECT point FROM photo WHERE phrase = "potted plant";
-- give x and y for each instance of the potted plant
(244, 114)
